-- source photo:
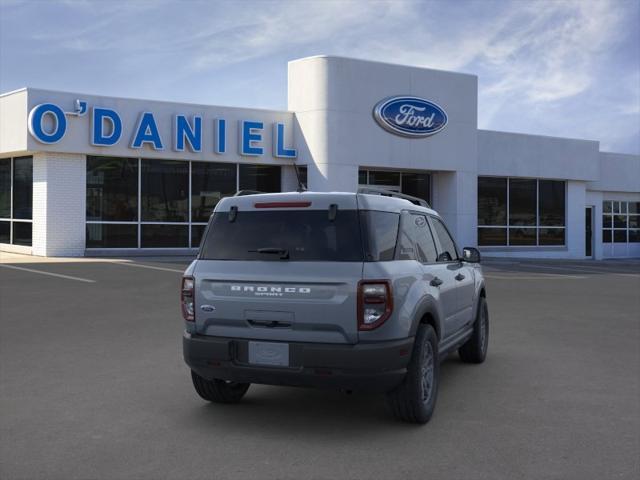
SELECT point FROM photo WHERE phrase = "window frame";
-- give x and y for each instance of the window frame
(367, 170)
(403, 215)
(616, 210)
(11, 219)
(538, 226)
(436, 238)
(189, 223)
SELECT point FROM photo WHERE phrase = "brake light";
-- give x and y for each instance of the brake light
(375, 303)
(187, 298)
(282, 204)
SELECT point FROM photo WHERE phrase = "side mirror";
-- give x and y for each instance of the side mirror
(471, 255)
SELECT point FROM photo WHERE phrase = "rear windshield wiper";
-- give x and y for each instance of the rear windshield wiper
(283, 252)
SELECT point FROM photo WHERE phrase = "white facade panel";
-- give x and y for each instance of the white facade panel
(617, 172)
(13, 122)
(535, 156)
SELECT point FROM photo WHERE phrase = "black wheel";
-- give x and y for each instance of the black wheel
(219, 391)
(415, 398)
(475, 349)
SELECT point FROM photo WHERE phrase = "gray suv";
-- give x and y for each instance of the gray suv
(354, 291)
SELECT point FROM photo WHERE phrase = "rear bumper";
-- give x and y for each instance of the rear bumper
(379, 366)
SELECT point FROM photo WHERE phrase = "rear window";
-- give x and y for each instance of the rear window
(284, 235)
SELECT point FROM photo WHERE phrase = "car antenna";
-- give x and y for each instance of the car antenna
(301, 186)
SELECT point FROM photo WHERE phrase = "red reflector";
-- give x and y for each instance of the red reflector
(282, 204)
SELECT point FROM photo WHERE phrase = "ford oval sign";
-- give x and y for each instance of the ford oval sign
(410, 116)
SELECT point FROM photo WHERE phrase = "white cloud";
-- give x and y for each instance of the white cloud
(535, 60)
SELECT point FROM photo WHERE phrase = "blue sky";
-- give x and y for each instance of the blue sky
(564, 68)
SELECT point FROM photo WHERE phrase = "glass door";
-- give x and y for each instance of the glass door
(588, 232)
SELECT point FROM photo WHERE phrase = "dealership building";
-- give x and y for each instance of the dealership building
(94, 175)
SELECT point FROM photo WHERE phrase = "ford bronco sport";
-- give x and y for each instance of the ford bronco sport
(354, 291)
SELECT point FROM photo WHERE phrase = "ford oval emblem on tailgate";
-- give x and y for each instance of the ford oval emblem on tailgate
(410, 116)
(207, 308)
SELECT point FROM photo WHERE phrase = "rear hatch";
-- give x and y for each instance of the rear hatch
(281, 267)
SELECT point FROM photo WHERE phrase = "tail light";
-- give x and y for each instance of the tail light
(375, 303)
(187, 298)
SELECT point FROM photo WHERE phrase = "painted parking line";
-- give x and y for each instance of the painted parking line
(536, 276)
(150, 267)
(50, 274)
(579, 268)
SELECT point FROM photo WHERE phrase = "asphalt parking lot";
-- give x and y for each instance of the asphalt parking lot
(93, 386)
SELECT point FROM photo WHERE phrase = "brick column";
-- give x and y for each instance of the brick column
(59, 199)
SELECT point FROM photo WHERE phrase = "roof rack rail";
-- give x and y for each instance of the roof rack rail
(242, 193)
(390, 193)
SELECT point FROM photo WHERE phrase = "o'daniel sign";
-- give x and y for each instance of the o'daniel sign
(48, 123)
(410, 116)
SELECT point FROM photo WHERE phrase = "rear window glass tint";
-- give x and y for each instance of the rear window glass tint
(380, 229)
(416, 241)
(448, 250)
(306, 235)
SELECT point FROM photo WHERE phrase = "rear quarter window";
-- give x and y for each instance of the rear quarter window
(380, 232)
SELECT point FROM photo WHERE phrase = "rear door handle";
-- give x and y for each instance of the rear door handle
(459, 277)
(436, 282)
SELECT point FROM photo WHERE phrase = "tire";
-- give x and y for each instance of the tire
(475, 349)
(219, 391)
(414, 400)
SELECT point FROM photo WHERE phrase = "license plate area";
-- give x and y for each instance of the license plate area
(269, 353)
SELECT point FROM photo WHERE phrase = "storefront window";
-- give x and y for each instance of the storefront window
(492, 201)
(551, 203)
(22, 187)
(164, 236)
(522, 202)
(5, 188)
(416, 184)
(302, 174)
(261, 178)
(16, 200)
(492, 236)
(521, 212)
(112, 189)
(197, 231)
(210, 182)
(620, 221)
(384, 178)
(551, 236)
(165, 188)
(119, 188)
(112, 235)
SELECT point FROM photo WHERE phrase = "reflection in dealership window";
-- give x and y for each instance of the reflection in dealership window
(165, 188)
(416, 184)
(522, 202)
(210, 182)
(112, 189)
(492, 201)
(261, 178)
